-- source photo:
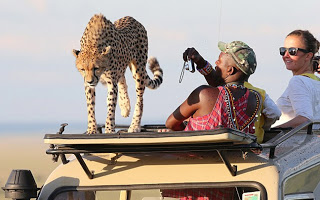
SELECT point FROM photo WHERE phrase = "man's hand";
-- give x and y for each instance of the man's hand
(193, 54)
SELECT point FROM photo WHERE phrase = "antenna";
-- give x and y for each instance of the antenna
(220, 14)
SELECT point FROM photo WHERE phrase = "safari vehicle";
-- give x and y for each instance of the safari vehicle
(177, 165)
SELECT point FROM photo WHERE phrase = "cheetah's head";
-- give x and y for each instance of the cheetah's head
(91, 66)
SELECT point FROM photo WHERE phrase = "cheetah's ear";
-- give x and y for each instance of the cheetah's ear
(107, 50)
(75, 53)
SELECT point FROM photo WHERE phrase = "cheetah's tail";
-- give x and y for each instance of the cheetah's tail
(157, 73)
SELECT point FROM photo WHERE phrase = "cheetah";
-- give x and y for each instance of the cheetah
(106, 51)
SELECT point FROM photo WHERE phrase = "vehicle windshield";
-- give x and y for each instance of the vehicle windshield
(194, 193)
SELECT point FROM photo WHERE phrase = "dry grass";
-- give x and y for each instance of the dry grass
(24, 152)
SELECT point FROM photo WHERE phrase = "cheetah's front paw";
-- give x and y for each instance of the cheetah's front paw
(109, 128)
(91, 131)
(134, 129)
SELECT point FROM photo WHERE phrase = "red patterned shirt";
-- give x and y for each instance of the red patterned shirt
(200, 193)
(226, 113)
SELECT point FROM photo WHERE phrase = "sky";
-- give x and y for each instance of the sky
(41, 85)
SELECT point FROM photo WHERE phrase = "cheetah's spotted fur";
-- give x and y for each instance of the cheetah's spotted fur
(106, 51)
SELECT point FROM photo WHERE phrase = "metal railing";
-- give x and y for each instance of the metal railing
(285, 136)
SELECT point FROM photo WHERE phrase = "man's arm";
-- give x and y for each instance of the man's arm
(211, 80)
(184, 111)
(203, 66)
(199, 103)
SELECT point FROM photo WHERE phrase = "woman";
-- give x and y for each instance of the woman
(231, 105)
(300, 101)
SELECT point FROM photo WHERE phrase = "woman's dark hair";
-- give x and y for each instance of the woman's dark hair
(312, 44)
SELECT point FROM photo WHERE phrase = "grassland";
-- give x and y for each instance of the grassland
(24, 152)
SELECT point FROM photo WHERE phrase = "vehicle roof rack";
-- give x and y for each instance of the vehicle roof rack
(149, 141)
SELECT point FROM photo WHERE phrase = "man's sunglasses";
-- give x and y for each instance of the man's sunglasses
(292, 51)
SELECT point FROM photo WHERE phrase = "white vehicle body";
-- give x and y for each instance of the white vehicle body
(132, 166)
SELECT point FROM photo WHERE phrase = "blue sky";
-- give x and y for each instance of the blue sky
(40, 83)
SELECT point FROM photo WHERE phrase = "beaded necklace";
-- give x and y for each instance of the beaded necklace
(228, 101)
(235, 85)
(232, 112)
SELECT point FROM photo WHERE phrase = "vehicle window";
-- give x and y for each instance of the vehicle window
(305, 181)
(232, 193)
(307, 196)
(76, 195)
(110, 195)
(200, 193)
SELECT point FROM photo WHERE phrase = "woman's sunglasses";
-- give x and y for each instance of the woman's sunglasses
(292, 51)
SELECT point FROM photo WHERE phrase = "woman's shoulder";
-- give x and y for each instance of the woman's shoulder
(300, 80)
(296, 78)
(301, 85)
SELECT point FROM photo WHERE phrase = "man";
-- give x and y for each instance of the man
(226, 103)
(269, 112)
(229, 105)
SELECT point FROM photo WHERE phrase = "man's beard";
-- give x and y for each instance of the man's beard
(218, 77)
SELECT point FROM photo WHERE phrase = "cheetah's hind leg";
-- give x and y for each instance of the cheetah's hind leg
(143, 80)
(139, 73)
(124, 101)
